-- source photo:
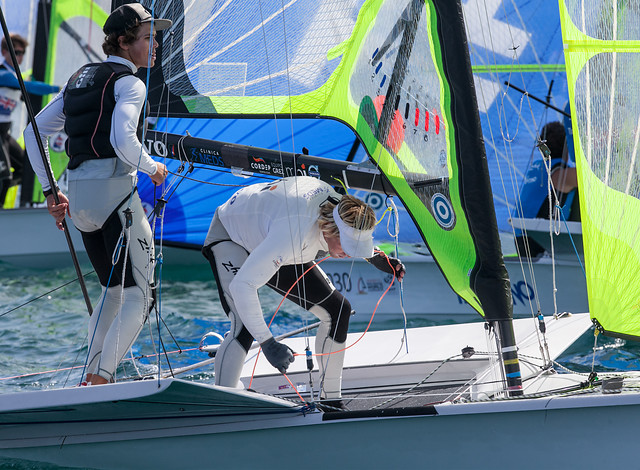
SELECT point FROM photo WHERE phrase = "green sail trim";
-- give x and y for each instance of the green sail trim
(64, 10)
(61, 11)
(452, 248)
(609, 206)
(518, 68)
(454, 263)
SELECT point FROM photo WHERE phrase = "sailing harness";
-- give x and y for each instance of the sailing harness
(87, 125)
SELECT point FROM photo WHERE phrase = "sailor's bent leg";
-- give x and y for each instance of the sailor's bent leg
(225, 258)
(332, 309)
(334, 313)
(330, 354)
(232, 353)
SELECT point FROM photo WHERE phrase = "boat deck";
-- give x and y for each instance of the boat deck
(410, 401)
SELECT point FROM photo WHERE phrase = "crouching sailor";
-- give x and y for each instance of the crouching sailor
(269, 234)
(101, 109)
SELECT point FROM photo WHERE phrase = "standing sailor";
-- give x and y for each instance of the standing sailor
(101, 109)
(11, 154)
(269, 234)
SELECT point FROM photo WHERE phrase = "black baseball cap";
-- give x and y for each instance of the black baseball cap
(128, 16)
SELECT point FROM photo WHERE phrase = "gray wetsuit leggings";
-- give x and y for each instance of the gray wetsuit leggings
(125, 274)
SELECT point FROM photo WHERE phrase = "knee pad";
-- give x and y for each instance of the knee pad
(336, 310)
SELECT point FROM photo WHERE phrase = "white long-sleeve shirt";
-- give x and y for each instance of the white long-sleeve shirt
(129, 93)
(277, 223)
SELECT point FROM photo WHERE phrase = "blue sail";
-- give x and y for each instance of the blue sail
(519, 43)
(189, 210)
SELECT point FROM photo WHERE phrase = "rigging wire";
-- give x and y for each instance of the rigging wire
(24, 304)
(301, 288)
(507, 142)
(541, 330)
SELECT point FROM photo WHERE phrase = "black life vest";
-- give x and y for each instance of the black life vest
(89, 102)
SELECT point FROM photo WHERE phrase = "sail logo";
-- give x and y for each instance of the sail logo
(276, 169)
(302, 171)
(156, 148)
(57, 141)
(314, 171)
(207, 157)
(375, 201)
(259, 164)
(521, 294)
(442, 211)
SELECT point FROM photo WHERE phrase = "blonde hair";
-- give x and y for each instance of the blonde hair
(354, 212)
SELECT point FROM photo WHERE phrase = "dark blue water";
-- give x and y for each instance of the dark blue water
(43, 327)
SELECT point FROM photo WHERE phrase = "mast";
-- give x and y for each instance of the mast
(489, 278)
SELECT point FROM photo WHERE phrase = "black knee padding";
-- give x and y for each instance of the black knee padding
(245, 339)
(339, 310)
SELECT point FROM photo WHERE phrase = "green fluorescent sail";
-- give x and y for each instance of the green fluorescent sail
(382, 68)
(602, 55)
(411, 154)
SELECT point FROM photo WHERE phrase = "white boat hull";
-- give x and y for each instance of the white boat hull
(549, 433)
(400, 359)
(565, 235)
(426, 292)
(168, 423)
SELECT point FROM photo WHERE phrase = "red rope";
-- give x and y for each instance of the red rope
(393, 278)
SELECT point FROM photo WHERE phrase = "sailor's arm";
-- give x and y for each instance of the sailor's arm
(261, 265)
(386, 263)
(254, 273)
(9, 80)
(564, 178)
(49, 121)
(129, 92)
